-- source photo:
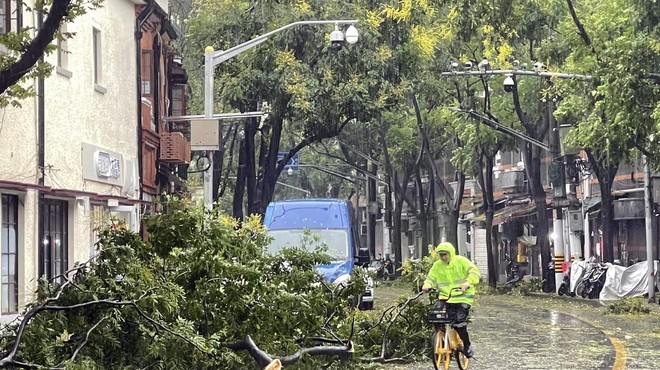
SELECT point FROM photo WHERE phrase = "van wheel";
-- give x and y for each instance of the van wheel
(367, 306)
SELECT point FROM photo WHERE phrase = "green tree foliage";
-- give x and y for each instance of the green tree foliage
(619, 47)
(25, 46)
(190, 296)
(613, 115)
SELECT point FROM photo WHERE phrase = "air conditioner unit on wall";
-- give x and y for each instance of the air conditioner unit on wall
(512, 179)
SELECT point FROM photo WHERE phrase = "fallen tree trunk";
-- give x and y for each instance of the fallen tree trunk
(263, 359)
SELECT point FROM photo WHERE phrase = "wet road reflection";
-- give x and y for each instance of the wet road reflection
(537, 339)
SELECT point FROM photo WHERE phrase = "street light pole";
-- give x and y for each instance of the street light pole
(208, 113)
(519, 72)
(213, 58)
(648, 217)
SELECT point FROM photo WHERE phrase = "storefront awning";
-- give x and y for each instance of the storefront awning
(508, 213)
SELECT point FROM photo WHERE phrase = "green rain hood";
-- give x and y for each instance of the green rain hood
(443, 277)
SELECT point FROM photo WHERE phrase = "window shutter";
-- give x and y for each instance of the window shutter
(16, 16)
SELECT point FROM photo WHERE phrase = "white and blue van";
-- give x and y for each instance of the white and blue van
(333, 221)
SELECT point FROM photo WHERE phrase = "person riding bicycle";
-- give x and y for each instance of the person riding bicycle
(449, 272)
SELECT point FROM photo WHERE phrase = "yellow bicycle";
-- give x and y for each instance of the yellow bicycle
(446, 342)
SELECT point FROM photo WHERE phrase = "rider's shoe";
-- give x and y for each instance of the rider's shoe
(468, 351)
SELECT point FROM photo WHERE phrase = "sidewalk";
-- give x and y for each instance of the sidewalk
(654, 307)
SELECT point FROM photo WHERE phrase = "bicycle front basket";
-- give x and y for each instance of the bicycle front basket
(438, 316)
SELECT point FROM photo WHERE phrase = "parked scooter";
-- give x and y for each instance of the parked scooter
(565, 286)
(384, 268)
(582, 281)
(596, 282)
(548, 282)
(512, 272)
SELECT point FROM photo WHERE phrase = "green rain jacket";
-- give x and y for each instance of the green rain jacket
(445, 276)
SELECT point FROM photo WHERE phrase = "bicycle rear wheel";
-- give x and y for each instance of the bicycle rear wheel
(441, 357)
(462, 361)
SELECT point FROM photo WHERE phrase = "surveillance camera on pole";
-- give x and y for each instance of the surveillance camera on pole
(509, 84)
(468, 65)
(351, 34)
(484, 65)
(336, 39)
(454, 67)
(539, 67)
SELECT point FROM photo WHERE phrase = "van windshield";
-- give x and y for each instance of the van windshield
(335, 240)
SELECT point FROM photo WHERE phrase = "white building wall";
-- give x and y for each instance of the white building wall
(76, 112)
(104, 114)
(18, 143)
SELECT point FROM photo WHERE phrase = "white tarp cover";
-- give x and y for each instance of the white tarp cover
(527, 240)
(626, 282)
(577, 269)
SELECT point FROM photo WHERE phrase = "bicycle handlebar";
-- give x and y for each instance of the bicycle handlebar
(450, 291)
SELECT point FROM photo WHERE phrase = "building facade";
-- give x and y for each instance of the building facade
(164, 144)
(70, 157)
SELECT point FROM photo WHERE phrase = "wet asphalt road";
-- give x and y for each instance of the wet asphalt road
(512, 332)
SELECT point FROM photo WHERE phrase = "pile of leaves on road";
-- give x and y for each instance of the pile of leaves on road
(632, 306)
(189, 297)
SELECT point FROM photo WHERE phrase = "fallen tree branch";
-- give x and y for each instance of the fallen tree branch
(395, 360)
(263, 359)
(89, 332)
(400, 309)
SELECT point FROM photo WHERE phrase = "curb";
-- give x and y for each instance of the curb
(654, 307)
(591, 302)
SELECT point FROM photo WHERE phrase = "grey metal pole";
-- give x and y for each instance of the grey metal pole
(212, 58)
(586, 191)
(518, 72)
(648, 215)
(208, 113)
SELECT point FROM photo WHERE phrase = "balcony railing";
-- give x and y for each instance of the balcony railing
(174, 148)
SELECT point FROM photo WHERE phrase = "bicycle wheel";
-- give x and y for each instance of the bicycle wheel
(562, 289)
(579, 288)
(462, 361)
(441, 357)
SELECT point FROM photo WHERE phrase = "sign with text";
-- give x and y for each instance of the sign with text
(293, 162)
(102, 165)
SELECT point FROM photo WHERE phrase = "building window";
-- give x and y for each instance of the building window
(11, 18)
(98, 63)
(147, 72)
(178, 101)
(9, 257)
(99, 218)
(54, 251)
(62, 49)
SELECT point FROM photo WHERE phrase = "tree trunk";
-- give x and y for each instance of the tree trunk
(451, 233)
(486, 180)
(250, 166)
(218, 157)
(396, 233)
(454, 212)
(605, 172)
(607, 220)
(532, 158)
(490, 211)
(35, 48)
(424, 229)
(239, 190)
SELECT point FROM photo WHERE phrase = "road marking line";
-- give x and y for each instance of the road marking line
(619, 348)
